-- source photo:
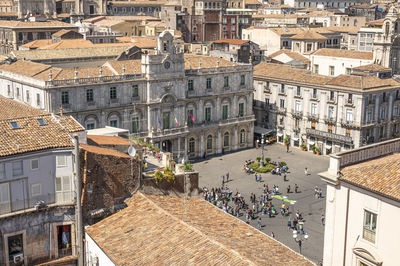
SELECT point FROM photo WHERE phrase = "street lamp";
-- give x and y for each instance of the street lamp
(262, 151)
(298, 239)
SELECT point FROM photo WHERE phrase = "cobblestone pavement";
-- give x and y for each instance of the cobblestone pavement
(211, 172)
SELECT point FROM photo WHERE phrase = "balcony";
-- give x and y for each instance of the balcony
(349, 103)
(312, 117)
(350, 124)
(267, 89)
(329, 120)
(229, 121)
(298, 96)
(331, 100)
(297, 114)
(170, 132)
(281, 110)
(329, 136)
(367, 124)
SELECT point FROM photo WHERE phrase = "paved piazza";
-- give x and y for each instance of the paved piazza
(211, 172)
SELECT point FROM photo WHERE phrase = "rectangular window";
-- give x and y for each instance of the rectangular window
(313, 109)
(348, 132)
(369, 228)
(350, 99)
(8, 90)
(298, 91)
(331, 112)
(383, 113)
(226, 81)
(63, 189)
(316, 69)
(282, 103)
(314, 93)
(18, 168)
(208, 84)
(332, 96)
(64, 97)
(330, 128)
(242, 80)
(189, 118)
(369, 116)
(4, 197)
(27, 96)
(34, 164)
(396, 110)
(61, 161)
(241, 109)
(38, 99)
(135, 125)
(313, 125)
(90, 126)
(282, 88)
(2, 171)
(190, 85)
(36, 190)
(208, 114)
(224, 20)
(17, 92)
(309, 47)
(298, 106)
(166, 122)
(113, 93)
(135, 90)
(224, 112)
(89, 95)
(348, 71)
(349, 115)
(331, 70)
(113, 123)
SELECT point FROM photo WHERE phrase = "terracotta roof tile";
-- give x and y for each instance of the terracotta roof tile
(156, 230)
(69, 43)
(35, 24)
(103, 151)
(344, 53)
(372, 68)
(380, 175)
(61, 33)
(293, 55)
(107, 140)
(309, 35)
(12, 109)
(37, 43)
(193, 61)
(231, 41)
(363, 82)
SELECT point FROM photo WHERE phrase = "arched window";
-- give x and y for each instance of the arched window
(191, 145)
(226, 139)
(209, 142)
(242, 136)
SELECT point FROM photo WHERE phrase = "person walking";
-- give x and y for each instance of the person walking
(289, 224)
(259, 223)
(323, 220)
(296, 187)
(272, 235)
(288, 189)
(284, 177)
(306, 171)
(227, 177)
(223, 179)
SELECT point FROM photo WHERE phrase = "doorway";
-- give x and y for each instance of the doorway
(16, 250)
(166, 146)
(64, 240)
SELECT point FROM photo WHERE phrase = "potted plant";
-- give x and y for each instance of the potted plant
(313, 149)
(267, 160)
(258, 159)
(318, 151)
(303, 147)
(286, 140)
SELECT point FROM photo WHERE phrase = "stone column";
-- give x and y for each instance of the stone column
(389, 116)
(150, 118)
(235, 138)
(250, 135)
(235, 106)
(200, 111)
(201, 148)
(218, 115)
(179, 149)
(103, 121)
(185, 151)
(219, 142)
(376, 116)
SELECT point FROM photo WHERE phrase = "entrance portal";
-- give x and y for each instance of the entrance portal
(166, 146)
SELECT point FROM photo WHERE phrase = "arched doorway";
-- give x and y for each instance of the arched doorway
(166, 146)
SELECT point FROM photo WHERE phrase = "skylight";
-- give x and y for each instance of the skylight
(42, 122)
(15, 125)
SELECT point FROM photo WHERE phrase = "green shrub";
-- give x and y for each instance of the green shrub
(188, 167)
(267, 168)
(282, 164)
(317, 149)
(258, 158)
(267, 159)
(313, 147)
(169, 175)
(158, 176)
(254, 166)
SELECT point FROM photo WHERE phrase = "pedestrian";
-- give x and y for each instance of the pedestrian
(306, 171)
(227, 177)
(257, 207)
(320, 193)
(289, 224)
(284, 177)
(296, 187)
(223, 179)
(287, 148)
(259, 223)
(255, 176)
(288, 189)
(247, 217)
(272, 235)
(323, 220)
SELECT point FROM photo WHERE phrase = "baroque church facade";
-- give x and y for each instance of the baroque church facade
(189, 105)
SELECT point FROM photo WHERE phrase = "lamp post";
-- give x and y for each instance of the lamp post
(299, 240)
(262, 151)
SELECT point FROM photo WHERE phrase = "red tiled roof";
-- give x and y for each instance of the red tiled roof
(107, 140)
(231, 41)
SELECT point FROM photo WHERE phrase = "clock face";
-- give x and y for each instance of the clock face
(167, 65)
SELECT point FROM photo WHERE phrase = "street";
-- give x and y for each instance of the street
(211, 172)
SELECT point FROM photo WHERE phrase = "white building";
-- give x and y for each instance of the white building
(335, 62)
(331, 113)
(363, 206)
(185, 104)
(37, 188)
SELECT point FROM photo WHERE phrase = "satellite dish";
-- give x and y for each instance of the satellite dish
(132, 151)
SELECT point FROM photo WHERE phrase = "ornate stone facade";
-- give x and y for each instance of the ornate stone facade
(186, 104)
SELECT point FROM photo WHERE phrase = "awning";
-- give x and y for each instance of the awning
(328, 146)
(280, 134)
(311, 142)
(295, 139)
(262, 130)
